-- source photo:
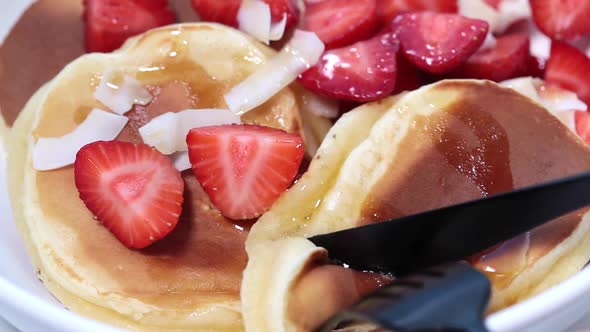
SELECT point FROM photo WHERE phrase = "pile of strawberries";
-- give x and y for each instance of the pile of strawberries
(374, 48)
(378, 47)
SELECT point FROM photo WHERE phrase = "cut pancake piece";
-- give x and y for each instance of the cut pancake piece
(446, 143)
(189, 280)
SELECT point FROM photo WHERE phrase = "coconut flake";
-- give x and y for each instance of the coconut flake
(167, 132)
(320, 105)
(481, 10)
(120, 98)
(277, 30)
(560, 102)
(558, 99)
(508, 12)
(301, 52)
(525, 86)
(489, 42)
(540, 44)
(55, 152)
(181, 160)
(254, 19)
(512, 11)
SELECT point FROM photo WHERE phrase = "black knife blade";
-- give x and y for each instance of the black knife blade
(455, 232)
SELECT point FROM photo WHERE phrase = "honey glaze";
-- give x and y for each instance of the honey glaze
(486, 143)
(483, 157)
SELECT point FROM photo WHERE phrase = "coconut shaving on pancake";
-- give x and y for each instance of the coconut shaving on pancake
(443, 144)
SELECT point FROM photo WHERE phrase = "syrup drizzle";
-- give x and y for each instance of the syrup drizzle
(486, 163)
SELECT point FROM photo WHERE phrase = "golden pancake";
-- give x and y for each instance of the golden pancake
(443, 144)
(189, 280)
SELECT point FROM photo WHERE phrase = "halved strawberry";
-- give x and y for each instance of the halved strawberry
(582, 120)
(341, 22)
(387, 9)
(364, 71)
(226, 11)
(569, 68)
(438, 43)
(562, 19)
(108, 23)
(244, 168)
(132, 189)
(507, 59)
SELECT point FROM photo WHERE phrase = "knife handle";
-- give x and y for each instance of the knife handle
(450, 297)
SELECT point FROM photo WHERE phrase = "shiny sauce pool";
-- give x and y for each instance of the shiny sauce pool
(463, 154)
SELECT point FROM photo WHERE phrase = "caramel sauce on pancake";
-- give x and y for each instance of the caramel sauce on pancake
(469, 151)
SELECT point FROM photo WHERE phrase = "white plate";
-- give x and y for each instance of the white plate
(26, 304)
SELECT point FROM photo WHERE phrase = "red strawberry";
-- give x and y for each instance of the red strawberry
(569, 68)
(387, 9)
(341, 22)
(278, 8)
(562, 19)
(133, 190)
(408, 77)
(362, 72)
(226, 11)
(244, 168)
(583, 125)
(108, 23)
(507, 59)
(438, 43)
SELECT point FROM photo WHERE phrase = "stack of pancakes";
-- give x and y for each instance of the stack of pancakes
(442, 144)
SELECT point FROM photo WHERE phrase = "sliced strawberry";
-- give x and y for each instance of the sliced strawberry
(387, 9)
(569, 68)
(362, 72)
(133, 190)
(562, 19)
(536, 67)
(440, 6)
(438, 43)
(220, 11)
(244, 168)
(341, 22)
(507, 59)
(408, 77)
(108, 23)
(582, 120)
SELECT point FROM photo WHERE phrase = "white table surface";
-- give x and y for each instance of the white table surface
(9, 11)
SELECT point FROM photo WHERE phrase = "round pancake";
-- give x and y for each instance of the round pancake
(445, 143)
(189, 280)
